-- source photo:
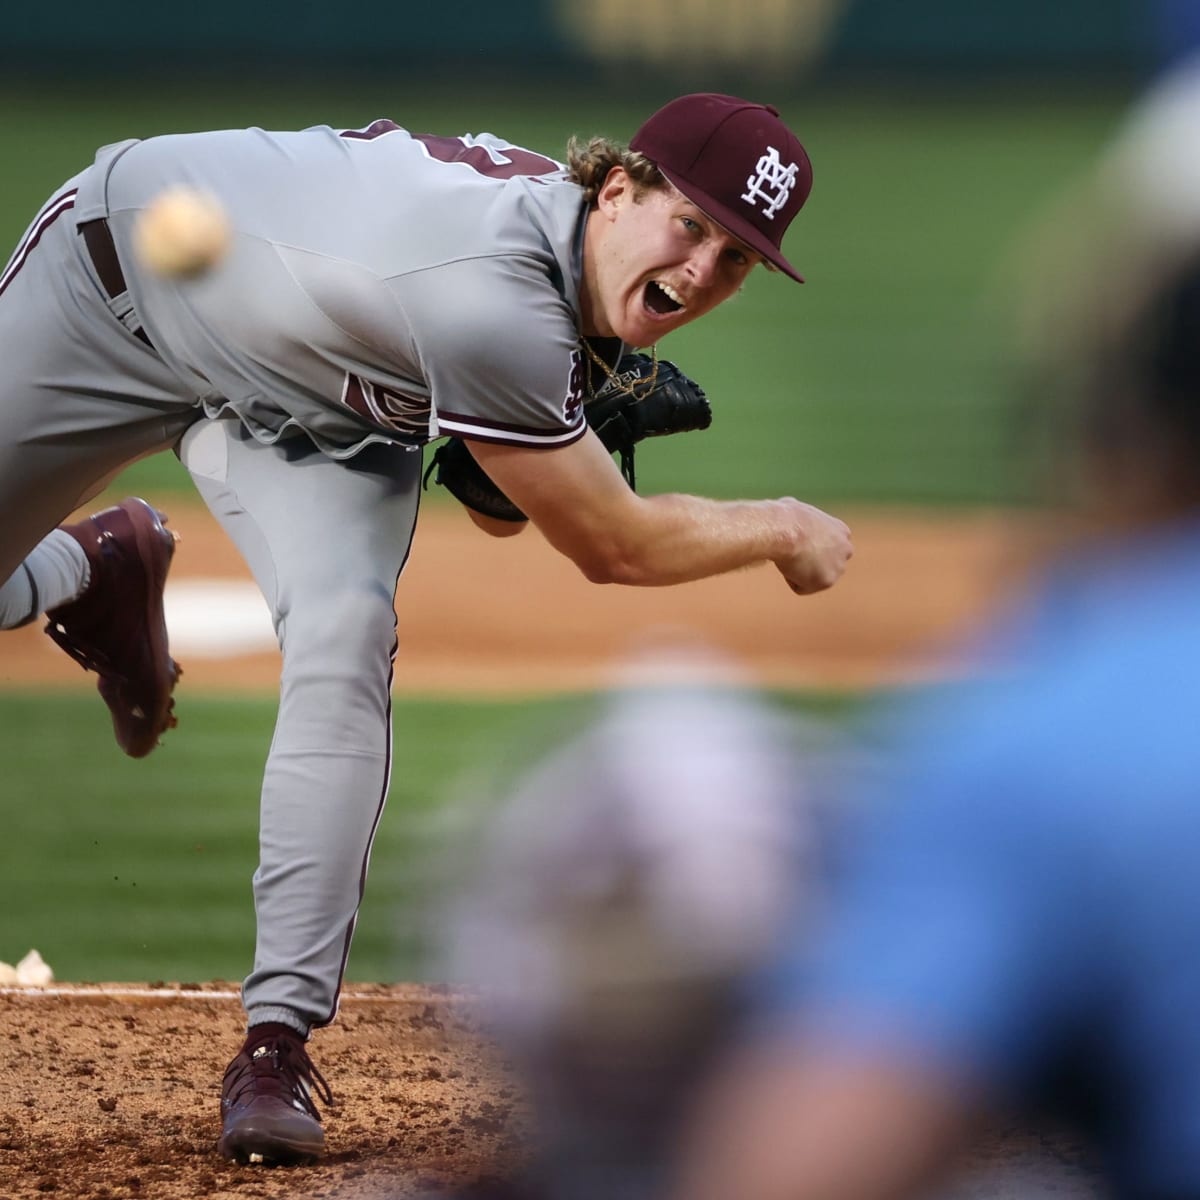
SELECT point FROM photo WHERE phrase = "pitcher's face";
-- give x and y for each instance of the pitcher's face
(654, 262)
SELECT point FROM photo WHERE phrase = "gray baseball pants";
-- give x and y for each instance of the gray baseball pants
(80, 398)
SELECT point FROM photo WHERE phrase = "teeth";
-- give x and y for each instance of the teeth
(671, 292)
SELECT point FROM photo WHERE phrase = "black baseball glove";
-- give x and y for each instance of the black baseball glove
(643, 397)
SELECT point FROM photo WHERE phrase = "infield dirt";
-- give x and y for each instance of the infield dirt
(505, 616)
(114, 1096)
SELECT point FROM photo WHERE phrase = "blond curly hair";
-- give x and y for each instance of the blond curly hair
(589, 162)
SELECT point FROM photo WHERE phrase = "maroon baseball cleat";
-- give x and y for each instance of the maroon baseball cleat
(116, 628)
(266, 1100)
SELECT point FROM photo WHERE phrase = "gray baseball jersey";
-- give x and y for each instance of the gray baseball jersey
(382, 289)
(381, 284)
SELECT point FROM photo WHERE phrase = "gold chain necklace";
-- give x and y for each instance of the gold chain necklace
(626, 389)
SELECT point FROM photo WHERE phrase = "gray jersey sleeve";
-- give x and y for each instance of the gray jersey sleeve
(381, 285)
(508, 368)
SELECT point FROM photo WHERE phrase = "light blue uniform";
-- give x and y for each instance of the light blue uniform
(383, 289)
(1021, 905)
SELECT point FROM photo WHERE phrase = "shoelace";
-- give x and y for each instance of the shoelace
(280, 1067)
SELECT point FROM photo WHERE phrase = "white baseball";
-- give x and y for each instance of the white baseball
(182, 232)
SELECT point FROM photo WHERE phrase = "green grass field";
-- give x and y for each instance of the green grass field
(882, 379)
(122, 870)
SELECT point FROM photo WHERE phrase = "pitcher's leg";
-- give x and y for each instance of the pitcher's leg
(326, 542)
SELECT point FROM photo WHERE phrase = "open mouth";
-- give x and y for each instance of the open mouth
(662, 299)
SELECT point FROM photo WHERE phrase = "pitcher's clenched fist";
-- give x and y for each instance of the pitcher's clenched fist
(822, 550)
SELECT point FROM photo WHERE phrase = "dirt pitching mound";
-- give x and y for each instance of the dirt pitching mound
(114, 1092)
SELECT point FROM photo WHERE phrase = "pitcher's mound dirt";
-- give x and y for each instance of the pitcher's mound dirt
(109, 1096)
(115, 1097)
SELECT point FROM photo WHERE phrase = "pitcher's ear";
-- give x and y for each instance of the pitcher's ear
(617, 188)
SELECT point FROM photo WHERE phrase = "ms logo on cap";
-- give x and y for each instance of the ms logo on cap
(772, 182)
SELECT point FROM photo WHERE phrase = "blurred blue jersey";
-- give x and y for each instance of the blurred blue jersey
(1022, 904)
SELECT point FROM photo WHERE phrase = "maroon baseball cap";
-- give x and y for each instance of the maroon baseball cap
(736, 161)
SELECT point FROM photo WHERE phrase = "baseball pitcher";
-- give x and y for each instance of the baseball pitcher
(378, 290)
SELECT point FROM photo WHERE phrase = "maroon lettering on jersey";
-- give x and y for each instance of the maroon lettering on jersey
(573, 401)
(400, 414)
(501, 163)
